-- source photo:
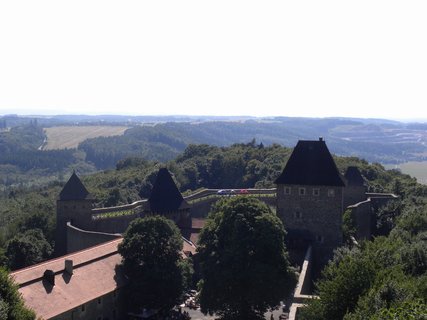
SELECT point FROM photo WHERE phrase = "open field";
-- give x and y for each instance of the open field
(417, 169)
(70, 136)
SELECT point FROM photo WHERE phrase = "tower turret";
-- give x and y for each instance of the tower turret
(310, 198)
(73, 205)
(165, 199)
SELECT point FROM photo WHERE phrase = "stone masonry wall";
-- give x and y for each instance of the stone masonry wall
(353, 195)
(78, 239)
(318, 211)
(78, 212)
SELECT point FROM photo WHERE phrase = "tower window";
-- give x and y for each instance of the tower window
(301, 191)
(316, 192)
(287, 190)
(331, 193)
(297, 215)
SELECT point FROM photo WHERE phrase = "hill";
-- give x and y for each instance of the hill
(164, 138)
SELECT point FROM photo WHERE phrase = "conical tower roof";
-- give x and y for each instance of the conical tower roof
(165, 196)
(311, 163)
(74, 190)
(353, 177)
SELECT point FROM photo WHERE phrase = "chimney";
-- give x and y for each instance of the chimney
(49, 276)
(320, 138)
(69, 266)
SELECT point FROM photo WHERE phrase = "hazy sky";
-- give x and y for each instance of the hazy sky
(289, 58)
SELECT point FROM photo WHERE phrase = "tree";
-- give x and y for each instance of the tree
(27, 248)
(245, 269)
(11, 304)
(151, 251)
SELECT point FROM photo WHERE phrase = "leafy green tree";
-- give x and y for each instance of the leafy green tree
(27, 248)
(245, 268)
(348, 226)
(151, 251)
(340, 287)
(11, 304)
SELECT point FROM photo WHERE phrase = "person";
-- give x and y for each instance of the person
(271, 317)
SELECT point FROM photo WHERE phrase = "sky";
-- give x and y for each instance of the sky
(326, 58)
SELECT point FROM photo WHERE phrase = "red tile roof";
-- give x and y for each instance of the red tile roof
(94, 275)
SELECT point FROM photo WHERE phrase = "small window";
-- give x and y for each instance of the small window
(319, 239)
(316, 192)
(297, 215)
(302, 191)
(331, 193)
(287, 190)
(99, 300)
(83, 308)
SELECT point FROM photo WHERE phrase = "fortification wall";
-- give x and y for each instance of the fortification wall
(362, 214)
(303, 288)
(137, 205)
(113, 224)
(353, 195)
(381, 199)
(78, 239)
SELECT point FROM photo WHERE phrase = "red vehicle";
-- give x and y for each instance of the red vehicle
(243, 191)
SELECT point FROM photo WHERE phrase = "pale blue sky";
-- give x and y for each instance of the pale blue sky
(261, 58)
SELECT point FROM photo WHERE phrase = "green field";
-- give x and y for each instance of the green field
(415, 168)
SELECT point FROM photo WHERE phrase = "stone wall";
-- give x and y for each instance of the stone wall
(78, 212)
(317, 212)
(353, 195)
(362, 215)
(109, 306)
(113, 224)
(303, 289)
(78, 239)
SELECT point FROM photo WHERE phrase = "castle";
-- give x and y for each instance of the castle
(310, 198)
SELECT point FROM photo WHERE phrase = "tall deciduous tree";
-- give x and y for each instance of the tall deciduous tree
(151, 251)
(28, 248)
(11, 304)
(245, 269)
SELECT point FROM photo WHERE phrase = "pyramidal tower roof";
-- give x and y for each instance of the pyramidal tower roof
(165, 196)
(353, 177)
(311, 163)
(74, 190)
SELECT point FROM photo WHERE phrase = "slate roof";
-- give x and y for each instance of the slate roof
(353, 177)
(165, 196)
(74, 190)
(311, 163)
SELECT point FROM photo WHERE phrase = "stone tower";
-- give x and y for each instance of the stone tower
(355, 190)
(73, 205)
(165, 199)
(310, 199)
